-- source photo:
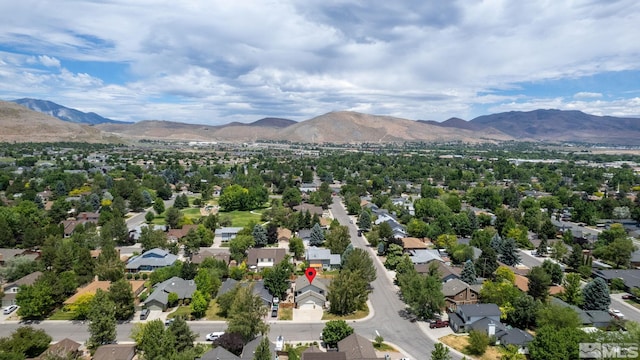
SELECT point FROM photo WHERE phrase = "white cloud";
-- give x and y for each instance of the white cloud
(49, 61)
(587, 95)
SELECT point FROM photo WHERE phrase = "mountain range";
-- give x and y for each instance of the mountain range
(334, 127)
(65, 113)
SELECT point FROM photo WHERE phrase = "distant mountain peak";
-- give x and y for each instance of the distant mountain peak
(64, 113)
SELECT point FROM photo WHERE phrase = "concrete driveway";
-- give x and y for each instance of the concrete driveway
(307, 314)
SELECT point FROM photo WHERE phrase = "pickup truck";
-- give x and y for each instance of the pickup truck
(438, 324)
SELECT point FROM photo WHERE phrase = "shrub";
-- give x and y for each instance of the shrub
(478, 342)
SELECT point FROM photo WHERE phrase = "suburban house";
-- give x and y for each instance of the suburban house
(412, 243)
(10, 254)
(321, 258)
(63, 349)
(522, 283)
(314, 353)
(136, 287)
(504, 335)
(115, 352)
(457, 292)
(310, 295)
(284, 234)
(447, 273)
(260, 258)
(257, 289)
(312, 209)
(595, 318)
(227, 234)
(150, 260)
(248, 352)
(11, 289)
(70, 225)
(357, 347)
(424, 256)
(630, 277)
(159, 298)
(174, 235)
(204, 254)
(466, 315)
(305, 235)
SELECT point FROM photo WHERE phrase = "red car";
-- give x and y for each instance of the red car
(438, 324)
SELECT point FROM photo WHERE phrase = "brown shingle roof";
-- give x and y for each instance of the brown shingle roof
(357, 347)
(63, 348)
(115, 352)
(413, 243)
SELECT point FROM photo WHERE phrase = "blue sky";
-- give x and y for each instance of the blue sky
(213, 62)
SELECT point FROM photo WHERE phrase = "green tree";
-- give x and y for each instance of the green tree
(102, 320)
(338, 239)
(422, 293)
(468, 274)
(259, 236)
(158, 205)
(394, 255)
(291, 197)
(334, 331)
(226, 300)
(359, 260)
(523, 313)
(199, 304)
(596, 295)
(173, 217)
(246, 315)
(207, 282)
(364, 220)
(182, 334)
(136, 201)
(385, 232)
(478, 342)
(347, 292)
(151, 239)
(35, 301)
(121, 294)
(554, 343)
(317, 236)
(239, 245)
(558, 251)
(417, 228)
(539, 282)
(498, 292)
(572, 293)
(440, 352)
(296, 247)
(574, 260)
(155, 341)
(554, 270)
(262, 351)
(24, 342)
(509, 255)
(557, 316)
(487, 262)
(149, 216)
(276, 279)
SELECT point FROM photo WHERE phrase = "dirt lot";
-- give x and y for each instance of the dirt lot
(460, 342)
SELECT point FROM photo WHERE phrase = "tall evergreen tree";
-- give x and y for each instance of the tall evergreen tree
(539, 281)
(259, 236)
(487, 262)
(509, 255)
(596, 295)
(542, 248)
(102, 320)
(262, 351)
(364, 220)
(317, 236)
(496, 243)
(468, 274)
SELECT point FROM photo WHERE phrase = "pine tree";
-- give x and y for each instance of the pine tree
(542, 248)
(468, 274)
(260, 236)
(317, 236)
(596, 295)
(440, 352)
(496, 243)
(487, 263)
(102, 317)
(510, 254)
(262, 351)
(364, 221)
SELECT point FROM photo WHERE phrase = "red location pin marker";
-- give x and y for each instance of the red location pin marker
(310, 273)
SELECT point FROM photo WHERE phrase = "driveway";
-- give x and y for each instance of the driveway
(307, 314)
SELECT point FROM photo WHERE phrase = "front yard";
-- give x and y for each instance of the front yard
(460, 343)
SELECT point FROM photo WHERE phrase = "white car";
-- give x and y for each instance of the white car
(279, 343)
(9, 309)
(214, 335)
(616, 313)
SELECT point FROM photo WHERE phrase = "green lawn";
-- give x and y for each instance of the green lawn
(184, 311)
(213, 310)
(191, 213)
(242, 218)
(61, 314)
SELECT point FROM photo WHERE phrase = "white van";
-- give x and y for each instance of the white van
(9, 309)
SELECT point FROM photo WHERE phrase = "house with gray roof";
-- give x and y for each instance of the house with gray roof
(322, 258)
(310, 295)
(357, 347)
(159, 298)
(218, 353)
(261, 258)
(595, 318)
(227, 234)
(249, 350)
(151, 260)
(424, 256)
(11, 289)
(630, 277)
(257, 289)
(466, 315)
(456, 292)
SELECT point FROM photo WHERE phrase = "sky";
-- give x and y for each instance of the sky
(218, 61)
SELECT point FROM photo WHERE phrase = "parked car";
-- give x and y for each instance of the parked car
(9, 309)
(144, 314)
(169, 321)
(214, 335)
(629, 297)
(616, 314)
(438, 324)
(279, 343)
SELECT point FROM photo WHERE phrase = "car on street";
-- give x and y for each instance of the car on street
(214, 335)
(629, 297)
(9, 309)
(616, 314)
(438, 324)
(279, 343)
